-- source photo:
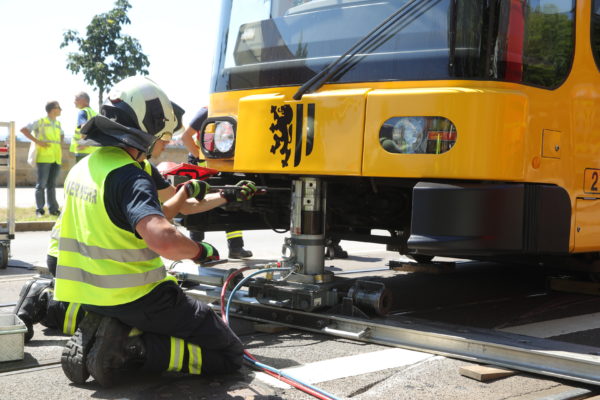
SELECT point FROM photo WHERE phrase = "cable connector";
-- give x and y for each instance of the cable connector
(272, 264)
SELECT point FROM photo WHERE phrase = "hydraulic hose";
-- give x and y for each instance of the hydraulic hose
(282, 376)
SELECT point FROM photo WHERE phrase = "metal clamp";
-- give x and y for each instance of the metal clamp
(348, 335)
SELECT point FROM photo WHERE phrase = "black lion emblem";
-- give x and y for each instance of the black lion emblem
(283, 125)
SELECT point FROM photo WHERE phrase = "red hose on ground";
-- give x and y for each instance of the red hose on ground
(290, 382)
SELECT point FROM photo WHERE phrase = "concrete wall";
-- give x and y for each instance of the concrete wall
(26, 175)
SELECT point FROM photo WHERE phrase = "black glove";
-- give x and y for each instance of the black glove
(243, 190)
(195, 188)
(206, 252)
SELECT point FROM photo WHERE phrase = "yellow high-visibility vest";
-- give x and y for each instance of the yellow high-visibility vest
(75, 146)
(98, 262)
(48, 132)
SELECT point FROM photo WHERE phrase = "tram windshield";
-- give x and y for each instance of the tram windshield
(286, 42)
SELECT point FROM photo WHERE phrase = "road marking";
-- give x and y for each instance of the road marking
(557, 327)
(344, 367)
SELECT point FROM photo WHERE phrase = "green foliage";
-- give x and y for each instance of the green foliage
(549, 46)
(106, 55)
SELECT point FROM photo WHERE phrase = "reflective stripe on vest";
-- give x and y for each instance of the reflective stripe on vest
(49, 132)
(122, 281)
(98, 253)
(70, 322)
(98, 262)
(75, 146)
(177, 354)
(195, 359)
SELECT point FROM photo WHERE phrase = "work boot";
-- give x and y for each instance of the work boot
(239, 252)
(75, 353)
(334, 250)
(114, 352)
(33, 303)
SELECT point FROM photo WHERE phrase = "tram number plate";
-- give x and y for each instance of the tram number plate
(591, 181)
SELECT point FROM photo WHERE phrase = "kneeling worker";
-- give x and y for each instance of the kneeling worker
(113, 233)
(36, 304)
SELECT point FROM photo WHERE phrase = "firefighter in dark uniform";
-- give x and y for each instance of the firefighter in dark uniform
(113, 233)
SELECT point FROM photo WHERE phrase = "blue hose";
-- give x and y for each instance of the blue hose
(239, 285)
(259, 364)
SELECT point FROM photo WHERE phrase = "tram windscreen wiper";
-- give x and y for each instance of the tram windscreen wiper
(397, 21)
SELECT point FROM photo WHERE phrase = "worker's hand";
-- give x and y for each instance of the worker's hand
(195, 188)
(43, 144)
(206, 252)
(243, 190)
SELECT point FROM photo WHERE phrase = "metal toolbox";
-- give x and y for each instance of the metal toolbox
(12, 337)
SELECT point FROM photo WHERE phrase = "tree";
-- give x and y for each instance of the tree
(105, 55)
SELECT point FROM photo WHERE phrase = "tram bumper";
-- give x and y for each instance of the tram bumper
(471, 219)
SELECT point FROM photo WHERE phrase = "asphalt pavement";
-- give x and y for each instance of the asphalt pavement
(350, 369)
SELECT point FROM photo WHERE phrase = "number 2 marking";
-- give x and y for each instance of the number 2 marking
(590, 182)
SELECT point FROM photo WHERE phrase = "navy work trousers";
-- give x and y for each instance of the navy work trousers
(46, 181)
(167, 311)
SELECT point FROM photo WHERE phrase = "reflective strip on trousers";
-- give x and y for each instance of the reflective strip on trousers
(195, 359)
(135, 332)
(177, 353)
(70, 322)
(234, 234)
(117, 281)
(100, 253)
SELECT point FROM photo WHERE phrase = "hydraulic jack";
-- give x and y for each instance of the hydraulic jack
(310, 287)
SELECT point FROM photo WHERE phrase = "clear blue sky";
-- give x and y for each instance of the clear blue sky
(178, 36)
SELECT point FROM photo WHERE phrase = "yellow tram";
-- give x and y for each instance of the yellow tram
(463, 128)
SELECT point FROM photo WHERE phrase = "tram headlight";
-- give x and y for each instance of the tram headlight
(218, 137)
(417, 135)
(224, 136)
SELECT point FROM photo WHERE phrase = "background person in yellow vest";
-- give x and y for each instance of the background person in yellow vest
(235, 239)
(82, 102)
(47, 135)
(113, 233)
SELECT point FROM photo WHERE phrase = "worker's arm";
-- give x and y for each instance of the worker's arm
(176, 202)
(188, 140)
(164, 239)
(210, 201)
(25, 131)
(172, 201)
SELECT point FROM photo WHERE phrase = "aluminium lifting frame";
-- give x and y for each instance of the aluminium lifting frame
(8, 167)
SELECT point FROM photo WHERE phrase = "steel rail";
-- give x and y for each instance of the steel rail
(524, 353)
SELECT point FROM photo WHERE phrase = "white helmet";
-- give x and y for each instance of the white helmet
(136, 114)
